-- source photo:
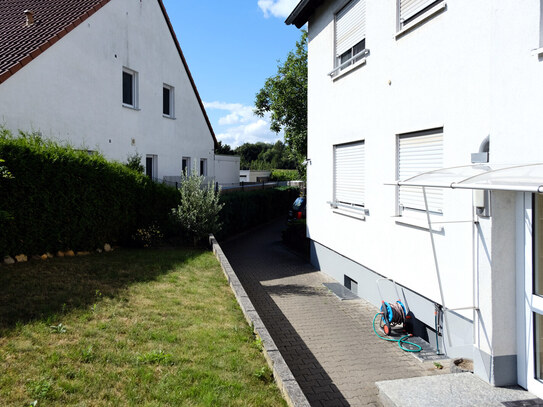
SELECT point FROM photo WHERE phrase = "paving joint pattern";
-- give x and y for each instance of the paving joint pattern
(328, 345)
(284, 378)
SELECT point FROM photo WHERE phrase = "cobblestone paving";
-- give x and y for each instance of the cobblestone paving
(328, 344)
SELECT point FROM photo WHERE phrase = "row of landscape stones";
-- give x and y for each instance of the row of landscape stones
(21, 258)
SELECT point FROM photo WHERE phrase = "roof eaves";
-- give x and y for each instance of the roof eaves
(301, 13)
(33, 54)
(191, 79)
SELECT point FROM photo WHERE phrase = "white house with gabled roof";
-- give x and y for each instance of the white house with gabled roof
(450, 90)
(104, 75)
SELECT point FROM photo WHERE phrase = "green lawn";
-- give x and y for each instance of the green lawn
(128, 328)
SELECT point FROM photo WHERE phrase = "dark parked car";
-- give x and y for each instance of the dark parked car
(298, 209)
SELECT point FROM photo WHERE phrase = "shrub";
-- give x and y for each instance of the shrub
(245, 209)
(285, 175)
(198, 211)
(133, 161)
(62, 198)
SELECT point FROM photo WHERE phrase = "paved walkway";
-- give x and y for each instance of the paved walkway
(328, 344)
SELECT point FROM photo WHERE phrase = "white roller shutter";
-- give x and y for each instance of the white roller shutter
(418, 154)
(350, 26)
(408, 8)
(349, 179)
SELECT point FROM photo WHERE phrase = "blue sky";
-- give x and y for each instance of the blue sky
(231, 48)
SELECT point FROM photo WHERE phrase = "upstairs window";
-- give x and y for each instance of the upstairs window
(350, 35)
(167, 101)
(411, 12)
(420, 152)
(130, 88)
(349, 175)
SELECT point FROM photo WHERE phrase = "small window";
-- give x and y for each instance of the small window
(168, 101)
(185, 167)
(130, 88)
(151, 164)
(417, 153)
(350, 35)
(349, 175)
(203, 167)
(413, 11)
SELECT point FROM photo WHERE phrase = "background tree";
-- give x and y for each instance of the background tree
(224, 149)
(285, 97)
(265, 156)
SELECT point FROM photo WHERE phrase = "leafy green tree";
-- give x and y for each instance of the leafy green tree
(198, 211)
(224, 149)
(285, 97)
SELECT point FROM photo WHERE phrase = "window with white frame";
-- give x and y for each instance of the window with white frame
(350, 35)
(349, 175)
(413, 11)
(420, 152)
(203, 167)
(185, 165)
(168, 101)
(151, 166)
(130, 88)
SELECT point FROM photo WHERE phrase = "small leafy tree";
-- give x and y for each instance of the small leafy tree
(134, 162)
(198, 212)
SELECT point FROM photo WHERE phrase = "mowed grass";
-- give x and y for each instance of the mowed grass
(128, 328)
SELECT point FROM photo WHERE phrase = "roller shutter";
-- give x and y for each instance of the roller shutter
(409, 8)
(350, 26)
(416, 154)
(349, 174)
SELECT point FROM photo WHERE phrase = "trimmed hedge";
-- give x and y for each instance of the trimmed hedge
(285, 175)
(245, 209)
(61, 198)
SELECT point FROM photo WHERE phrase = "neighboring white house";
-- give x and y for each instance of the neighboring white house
(402, 87)
(103, 75)
(254, 176)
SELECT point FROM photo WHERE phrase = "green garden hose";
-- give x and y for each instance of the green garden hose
(402, 340)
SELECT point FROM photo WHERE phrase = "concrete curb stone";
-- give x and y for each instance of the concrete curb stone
(284, 378)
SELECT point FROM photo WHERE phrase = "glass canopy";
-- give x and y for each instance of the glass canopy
(526, 178)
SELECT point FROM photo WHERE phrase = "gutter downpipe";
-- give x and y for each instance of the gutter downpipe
(437, 267)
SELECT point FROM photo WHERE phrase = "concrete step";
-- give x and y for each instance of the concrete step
(452, 390)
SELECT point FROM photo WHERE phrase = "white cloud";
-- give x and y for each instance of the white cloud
(240, 125)
(277, 8)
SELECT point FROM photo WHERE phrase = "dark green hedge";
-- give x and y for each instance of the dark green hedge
(61, 198)
(245, 209)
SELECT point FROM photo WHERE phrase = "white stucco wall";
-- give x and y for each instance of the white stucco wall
(73, 91)
(470, 70)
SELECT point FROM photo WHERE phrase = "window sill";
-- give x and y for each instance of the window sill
(350, 214)
(355, 212)
(538, 52)
(422, 18)
(131, 107)
(168, 117)
(348, 69)
(418, 223)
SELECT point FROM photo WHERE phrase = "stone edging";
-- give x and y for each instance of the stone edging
(281, 372)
